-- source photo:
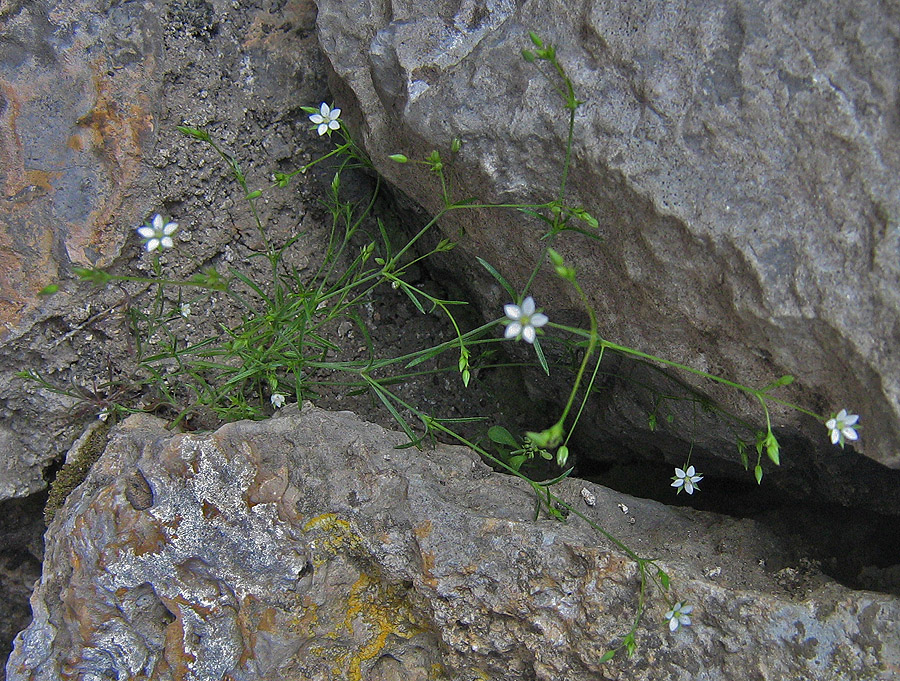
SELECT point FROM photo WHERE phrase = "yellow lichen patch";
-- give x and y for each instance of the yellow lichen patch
(382, 610)
(337, 537)
(325, 521)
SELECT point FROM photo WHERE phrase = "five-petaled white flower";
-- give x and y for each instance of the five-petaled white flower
(185, 310)
(678, 616)
(841, 427)
(159, 235)
(686, 480)
(326, 119)
(522, 321)
(277, 400)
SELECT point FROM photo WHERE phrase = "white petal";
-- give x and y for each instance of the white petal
(835, 436)
(334, 125)
(528, 306)
(539, 319)
(513, 330)
(850, 434)
(166, 242)
(685, 621)
(528, 334)
(146, 232)
(157, 222)
(688, 487)
(512, 311)
(335, 114)
(851, 419)
(831, 424)
(316, 118)
(152, 245)
(673, 624)
(680, 473)
(323, 129)
(687, 610)
(841, 415)
(690, 472)
(170, 228)
(324, 109)
(678, 483)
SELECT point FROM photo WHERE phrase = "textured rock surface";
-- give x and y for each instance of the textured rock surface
(308, 547)
(90, 94)
(79, 104)
(743, 159)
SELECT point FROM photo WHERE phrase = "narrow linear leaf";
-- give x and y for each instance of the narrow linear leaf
(499, 277)
(540, 355)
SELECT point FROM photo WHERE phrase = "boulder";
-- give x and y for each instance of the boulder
(743, 161)
(308, 546)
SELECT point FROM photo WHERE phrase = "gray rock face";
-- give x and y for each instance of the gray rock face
(743, 159)
(92, 94)
(308, 547)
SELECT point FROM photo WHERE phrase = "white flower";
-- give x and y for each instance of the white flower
(159, 235)
(185, 310)
(326, 119)
(678, 616)
(841, 427)
(522, 321)
(277, 400)
(686, 480)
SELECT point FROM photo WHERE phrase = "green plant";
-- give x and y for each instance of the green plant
(283, 344)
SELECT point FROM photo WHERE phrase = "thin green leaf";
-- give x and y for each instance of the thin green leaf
(251, 284)
(396, 414)
(407, 290)
(558, 478)
(499, 277)
(540, 355)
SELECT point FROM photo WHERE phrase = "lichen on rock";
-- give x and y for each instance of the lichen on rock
(307, 546)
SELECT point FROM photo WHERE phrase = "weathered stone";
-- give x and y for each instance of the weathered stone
(91, 93)
(79, 100)
(743, 161)
(306, 546)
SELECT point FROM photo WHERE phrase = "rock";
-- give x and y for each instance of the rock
(21, 539)
(79, 105)
(743, 162)
(92, 94)
(307, 546)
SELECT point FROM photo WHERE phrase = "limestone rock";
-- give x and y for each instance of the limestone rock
(743, 161)
(307, 546)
